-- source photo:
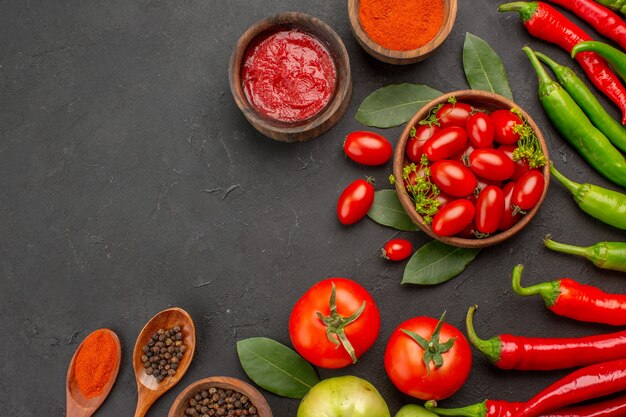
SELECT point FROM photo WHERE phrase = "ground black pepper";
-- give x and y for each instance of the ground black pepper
(163, 352)
(220, 402)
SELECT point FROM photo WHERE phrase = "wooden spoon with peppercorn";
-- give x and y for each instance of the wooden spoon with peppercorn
(86, 388)
(162, 355)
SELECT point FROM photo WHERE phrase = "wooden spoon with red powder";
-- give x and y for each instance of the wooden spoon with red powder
(92, 373)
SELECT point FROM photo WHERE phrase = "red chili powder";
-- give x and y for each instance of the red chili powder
(95, 362)
(288, 75)
(401, 25)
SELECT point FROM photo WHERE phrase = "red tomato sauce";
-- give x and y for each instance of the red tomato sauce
(288, 75)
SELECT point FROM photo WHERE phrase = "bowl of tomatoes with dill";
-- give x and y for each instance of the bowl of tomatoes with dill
(471, 168)
(401, 31)
(290, 76)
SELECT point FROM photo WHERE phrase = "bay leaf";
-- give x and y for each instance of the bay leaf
(437, 262)
(484, 69)
(388, 211)
(275, 367)
(394, 104)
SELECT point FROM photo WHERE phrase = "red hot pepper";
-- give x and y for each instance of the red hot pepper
(581, 385)
(544, 22)
(615, 407)
(542, 354)
(569, 298)
(605, 21)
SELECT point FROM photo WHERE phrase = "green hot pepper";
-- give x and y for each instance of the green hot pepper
(615, 57)
(605, 205)
(576, 128)
(587, 102)
(617, 5)
(606, 255)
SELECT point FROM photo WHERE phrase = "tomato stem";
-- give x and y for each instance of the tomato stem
(433, 349)
(336, 324)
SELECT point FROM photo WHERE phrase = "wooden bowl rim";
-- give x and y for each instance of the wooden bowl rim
(224, 382)
(97, 400)
(376, 50)
(167, 384)
(399, 160)
(343, 89)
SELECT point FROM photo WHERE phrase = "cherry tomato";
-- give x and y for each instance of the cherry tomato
(453, 178)
(521, 166)
(489, 209)
(503, 122)
(508, 219)
(367, 148)
(414, 145)
(397, 249)
(447, 142)
(463, 156)
(491, 164)
(480, 130)
(404, 359)
(453, 218)
(444, 199)
(468, 232)
(355, 201)
(528, 190)
(483, 183)
(308, 332)
(454, 114)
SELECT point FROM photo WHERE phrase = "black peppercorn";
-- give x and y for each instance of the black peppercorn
(163, 353)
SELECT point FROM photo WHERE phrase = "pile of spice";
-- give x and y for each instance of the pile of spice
(401, 25)
(219, 402)
(95, 363)
(288, 75)
(163, 353)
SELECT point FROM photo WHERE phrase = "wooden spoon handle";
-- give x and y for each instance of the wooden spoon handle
(75, 410)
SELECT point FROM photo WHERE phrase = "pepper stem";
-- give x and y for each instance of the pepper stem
(474, 410)
(336, 324)
(567, 183)
(543, 76)
(491, 348)
(549, 291)
(557, 68)
(562, 247)
(526, 9)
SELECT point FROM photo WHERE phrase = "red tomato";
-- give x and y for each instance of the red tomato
(355, 201)
(521, 166)
(464, 155)
(489, 209)
(454, 114)
(397, 249)
(491, 164)
(503, 122)
(528, 190)
(453, 218)
(404, 360)
(367, 148)
(480, 130)
(414, 145)
(447, 142)
(483, 183)
(508, 219)
(453, 178)
(468, 232)
(308, 332)
(444, 199)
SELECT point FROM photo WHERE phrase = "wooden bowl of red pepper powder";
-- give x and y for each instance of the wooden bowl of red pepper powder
(401, 31)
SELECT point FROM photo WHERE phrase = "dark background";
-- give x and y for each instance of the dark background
(116, 118)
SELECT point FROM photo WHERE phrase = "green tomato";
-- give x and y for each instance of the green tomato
(343, 396)
(413, 410)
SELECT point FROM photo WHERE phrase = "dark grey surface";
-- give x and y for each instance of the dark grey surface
(116, 123)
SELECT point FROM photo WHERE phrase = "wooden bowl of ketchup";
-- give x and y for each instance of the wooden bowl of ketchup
(290, 76)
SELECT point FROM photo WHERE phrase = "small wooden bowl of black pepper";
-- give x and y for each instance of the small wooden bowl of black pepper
(220, 396)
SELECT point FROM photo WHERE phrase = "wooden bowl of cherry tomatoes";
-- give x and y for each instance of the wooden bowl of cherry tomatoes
(471, 168)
